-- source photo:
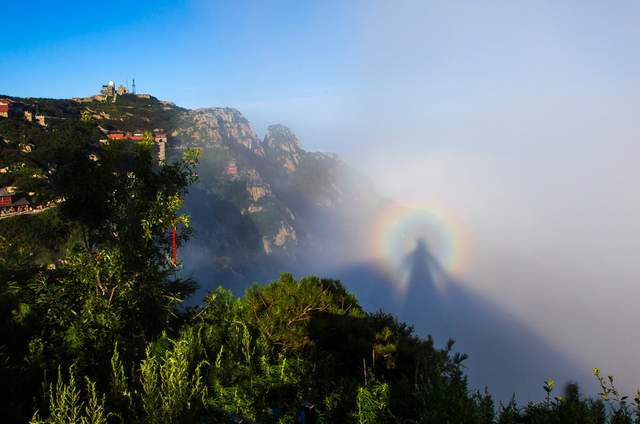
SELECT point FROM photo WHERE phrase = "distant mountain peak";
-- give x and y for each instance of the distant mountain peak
(283, 146)
(220, 125)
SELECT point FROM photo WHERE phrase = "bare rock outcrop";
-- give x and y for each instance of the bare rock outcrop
(283, 146)
(218, 125)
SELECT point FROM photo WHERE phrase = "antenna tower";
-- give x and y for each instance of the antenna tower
(133, 86)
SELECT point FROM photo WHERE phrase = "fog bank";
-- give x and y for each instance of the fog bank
(522, 120)
(518, 120)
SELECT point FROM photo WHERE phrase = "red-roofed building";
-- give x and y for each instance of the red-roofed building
(6, 198)
(116, 135)
(159, 136)
(10, 107)
(136, 136)
(5, 107)
(232, 168)
(12, 202)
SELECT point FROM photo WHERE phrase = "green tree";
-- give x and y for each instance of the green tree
(113, 282)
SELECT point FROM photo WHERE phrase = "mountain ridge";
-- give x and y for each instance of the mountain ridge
(259, 202)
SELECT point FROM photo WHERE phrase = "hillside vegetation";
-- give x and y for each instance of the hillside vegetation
(249, 222)
(93, 327)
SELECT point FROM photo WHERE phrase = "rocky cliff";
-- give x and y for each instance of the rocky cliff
(203, 127)
(283, 147)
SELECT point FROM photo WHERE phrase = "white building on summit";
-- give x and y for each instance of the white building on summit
(109, 89)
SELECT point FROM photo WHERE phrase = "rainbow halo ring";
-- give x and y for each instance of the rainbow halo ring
(399, 228)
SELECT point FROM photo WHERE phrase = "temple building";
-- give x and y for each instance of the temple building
(5, 107)
(12, 202)
(159, 138)
(232, 168)
(10, 108)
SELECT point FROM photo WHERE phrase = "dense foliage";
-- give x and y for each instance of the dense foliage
(92, 327)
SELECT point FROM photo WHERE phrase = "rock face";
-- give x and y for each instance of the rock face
(275, 205)
(285, 234)
(257, 193)
(202, 127)
(225, 136)
(283, 147)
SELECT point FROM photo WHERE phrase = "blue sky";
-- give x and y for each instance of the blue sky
(318, 66)
(196, 53)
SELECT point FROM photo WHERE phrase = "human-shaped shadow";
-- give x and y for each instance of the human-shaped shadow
(505, 354)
